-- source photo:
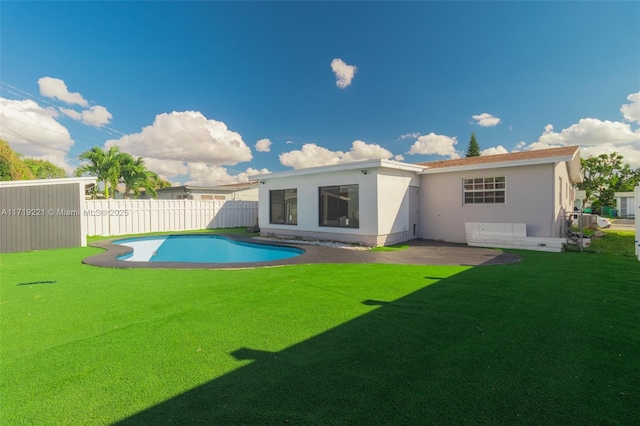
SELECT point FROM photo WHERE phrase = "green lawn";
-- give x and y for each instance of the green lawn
(553, 339)
(620, 243)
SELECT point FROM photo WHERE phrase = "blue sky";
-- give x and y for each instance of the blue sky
(192, 87)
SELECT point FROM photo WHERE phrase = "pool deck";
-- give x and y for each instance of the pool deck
(420, 252)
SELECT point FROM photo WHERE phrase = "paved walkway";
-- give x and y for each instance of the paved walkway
(420, 252)
(623, 225)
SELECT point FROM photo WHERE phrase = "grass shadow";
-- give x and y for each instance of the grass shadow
(492, 345)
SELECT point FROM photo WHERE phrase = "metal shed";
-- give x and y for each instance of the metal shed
(43, 214)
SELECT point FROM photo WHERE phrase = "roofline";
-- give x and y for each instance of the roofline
(87, 180)
(528, 162)
(573, 162)
(227, 187)
(352, 165)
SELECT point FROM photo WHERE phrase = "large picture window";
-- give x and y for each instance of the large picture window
(340, 206)
(283, 206)
(489, 190)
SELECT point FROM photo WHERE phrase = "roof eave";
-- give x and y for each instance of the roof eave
(354, 165)
(496, 165)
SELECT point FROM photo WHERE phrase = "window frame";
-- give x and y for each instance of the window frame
(289, 209)
(352, 222)
(489, 190)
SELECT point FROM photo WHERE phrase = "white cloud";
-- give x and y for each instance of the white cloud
(263, 145)
(289, 142)
(398, 157)
(203, 175)
(519, 147)
(186, 137)
(309, 156)
(495, 150)
(486, 120)
(344, 73)
(363, 151)
(96, 116)
(198, 173)
(435, 144)
(588, 132)
(167, 168)
(595, 137)
(630, 152)
(312, 155)
(57, 89)
(409, 135)
(631, 111)
(33, 131)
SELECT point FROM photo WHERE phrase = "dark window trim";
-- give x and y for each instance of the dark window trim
(285, 217)
(352, 224)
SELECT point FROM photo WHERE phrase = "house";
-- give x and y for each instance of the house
(381, 202)
(625, 203)
(43, 214)
(244, 191)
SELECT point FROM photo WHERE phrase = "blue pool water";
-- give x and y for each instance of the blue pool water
(201, 249)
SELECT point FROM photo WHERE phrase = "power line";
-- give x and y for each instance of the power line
(4, 85)
(51, 149)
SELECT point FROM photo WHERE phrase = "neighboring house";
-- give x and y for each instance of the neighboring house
(119, 194)
(380, 202)
(246, 191)
(43, 214)
(625, 203)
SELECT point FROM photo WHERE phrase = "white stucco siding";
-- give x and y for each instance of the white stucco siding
(563, 196)
(393, 201)
(308, 202)
(530, 199)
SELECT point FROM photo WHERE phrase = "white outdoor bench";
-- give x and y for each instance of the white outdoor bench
(508, 235)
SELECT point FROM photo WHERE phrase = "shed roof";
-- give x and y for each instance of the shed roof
(87, 181)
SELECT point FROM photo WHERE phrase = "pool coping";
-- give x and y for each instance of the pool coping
(420, 252)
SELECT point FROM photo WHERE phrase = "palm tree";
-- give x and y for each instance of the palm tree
(104, 165)
(135, 175)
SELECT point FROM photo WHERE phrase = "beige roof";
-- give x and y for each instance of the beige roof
(568, 154)
(501, 158)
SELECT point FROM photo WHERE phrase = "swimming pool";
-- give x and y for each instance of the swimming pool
(201, 249)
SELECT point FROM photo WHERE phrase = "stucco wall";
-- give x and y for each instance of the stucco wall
(563, 203)
(393, 201)
(383, 205)
(530, 198)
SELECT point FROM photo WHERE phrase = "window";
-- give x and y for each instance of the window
(283, 206)
(206, 197)
(489, 190)
(340, 206)
(560, 190)
(219, 197)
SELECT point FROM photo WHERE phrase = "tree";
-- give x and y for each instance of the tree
(604, 175)
(113, 166)
(105, 165)
(474, 149)
(135, 175)
(11, 165)
(44, 169)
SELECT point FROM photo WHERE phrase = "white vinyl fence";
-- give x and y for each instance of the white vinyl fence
(120, 217)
